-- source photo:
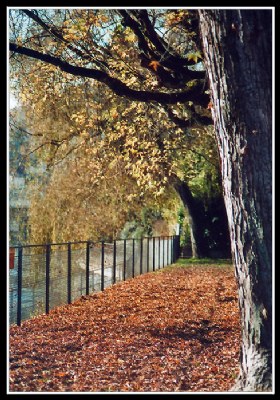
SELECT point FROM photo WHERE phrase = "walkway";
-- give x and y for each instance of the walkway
(176, 329)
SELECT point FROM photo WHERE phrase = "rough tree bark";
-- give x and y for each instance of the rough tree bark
(238, 57)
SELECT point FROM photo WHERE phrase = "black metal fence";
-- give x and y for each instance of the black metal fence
(42, 277)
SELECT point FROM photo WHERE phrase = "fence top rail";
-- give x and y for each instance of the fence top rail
(48, 244)
(91, 242)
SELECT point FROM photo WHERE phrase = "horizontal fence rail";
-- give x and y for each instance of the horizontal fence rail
(42, 277)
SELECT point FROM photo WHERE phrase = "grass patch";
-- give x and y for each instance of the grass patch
(201, 261)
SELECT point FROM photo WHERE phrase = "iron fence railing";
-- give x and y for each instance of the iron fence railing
(42, 277)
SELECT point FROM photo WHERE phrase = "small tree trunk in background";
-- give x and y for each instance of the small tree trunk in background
(195, 218)
(238, 58)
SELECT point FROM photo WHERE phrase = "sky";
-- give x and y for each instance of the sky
(12, 101)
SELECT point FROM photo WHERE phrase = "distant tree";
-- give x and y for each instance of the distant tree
(143, 57)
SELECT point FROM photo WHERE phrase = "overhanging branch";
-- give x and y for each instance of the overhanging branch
(194, 93)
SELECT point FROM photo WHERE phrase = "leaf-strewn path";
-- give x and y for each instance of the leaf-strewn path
(172, 330)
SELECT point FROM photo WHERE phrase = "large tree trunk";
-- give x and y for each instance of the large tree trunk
(238, 58)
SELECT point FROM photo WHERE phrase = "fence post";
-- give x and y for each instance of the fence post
(69, 273)
(87, 267)
(114, 262)
(148, 253)
(163, 249)
(154, 248)
(133, 257)
(124, 259)
(171, 249)
(102, 265)
(48, 259)
(141, 256)
(159, 252)
(19, 286)
(167, 250)
(174, 249)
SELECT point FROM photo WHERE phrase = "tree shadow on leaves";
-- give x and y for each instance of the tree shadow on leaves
(204, 331)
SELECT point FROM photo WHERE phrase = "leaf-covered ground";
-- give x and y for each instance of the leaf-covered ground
(174, 330)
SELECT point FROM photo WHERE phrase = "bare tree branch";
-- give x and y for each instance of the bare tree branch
(58, 36)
